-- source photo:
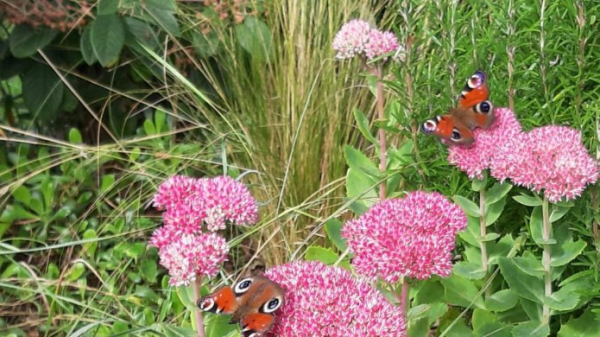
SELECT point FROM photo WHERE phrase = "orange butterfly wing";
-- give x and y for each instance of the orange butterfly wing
(223, 301)
(473, 105)
(254, 325)
(449, 129)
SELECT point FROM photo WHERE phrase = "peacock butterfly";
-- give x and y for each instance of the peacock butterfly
(251, 302)
(474, 110)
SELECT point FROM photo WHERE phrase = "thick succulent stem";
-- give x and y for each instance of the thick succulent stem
(199, 323)
(483, 232)
(546, 233)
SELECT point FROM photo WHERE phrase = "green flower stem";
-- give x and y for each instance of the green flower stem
(546, 231)
(483, 232)
(381, 116)
(199, 323)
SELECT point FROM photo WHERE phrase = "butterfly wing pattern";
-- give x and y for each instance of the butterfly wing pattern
(252, 302)
(474, 110)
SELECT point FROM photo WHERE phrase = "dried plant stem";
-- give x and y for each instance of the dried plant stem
(199, 323)
(482, 232)
(546, 230)
(381, 116)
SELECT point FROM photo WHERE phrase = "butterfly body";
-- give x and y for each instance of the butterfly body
(474, 110)
(251, 302)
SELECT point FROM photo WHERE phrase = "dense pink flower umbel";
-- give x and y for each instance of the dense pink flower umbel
(190, 202)
(357, 38)
(189, 255)
(413, 236)
(380, 43)
(225, 199)
(173, 190)
(475, 159)
(351, 39)
(328, 301)
(551, 159)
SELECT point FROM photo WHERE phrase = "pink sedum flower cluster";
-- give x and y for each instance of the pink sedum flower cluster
(328, 301)
(188, 204)
(413, 236)
(357, 38)
(380, 43)
(351, 39)
(551, 159)
(477, 158)
(190, 255)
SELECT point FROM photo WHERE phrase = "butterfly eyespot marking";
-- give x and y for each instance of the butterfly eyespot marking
(484, 107)
(272, 305)
(242, 286)
(455, 135)
(429, 126)
(206, 304)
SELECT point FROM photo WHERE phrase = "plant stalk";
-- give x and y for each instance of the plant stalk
(199, 323)
(381, 116)
(483, 232)
(404, 296)
(546, 230)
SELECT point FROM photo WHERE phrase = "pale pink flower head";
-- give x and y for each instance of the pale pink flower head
(380, 43)
(322, 300)
(475, 159)
(173, 190)
(413, 236)
(189, 255)
(554, 160)
(351, 39)
(227, 200)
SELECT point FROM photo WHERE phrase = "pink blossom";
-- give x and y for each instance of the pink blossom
(550, 158)
(413, 236)
(380, 43)
(190, 255)
(215, 201)
(186, 216)
(225, 199)
(163, 236)
(478, 157)
(173, 190)
(351, 39)
(328, 301)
